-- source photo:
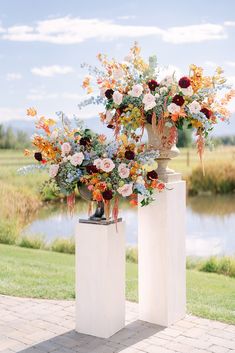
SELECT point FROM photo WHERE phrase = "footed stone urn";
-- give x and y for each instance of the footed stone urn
(160, 141)
(98, 215)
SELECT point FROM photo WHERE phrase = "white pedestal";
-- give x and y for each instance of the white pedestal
(162, 274)
(100, 279)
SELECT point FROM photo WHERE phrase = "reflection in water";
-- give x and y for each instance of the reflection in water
(210, 224)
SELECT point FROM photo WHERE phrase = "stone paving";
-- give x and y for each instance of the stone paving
(36, 326)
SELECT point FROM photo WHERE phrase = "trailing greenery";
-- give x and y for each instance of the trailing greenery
(218, 179)
(43, 274)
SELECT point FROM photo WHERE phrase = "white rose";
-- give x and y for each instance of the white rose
(66, 148)
(117, 97)
(187, 91)
(157, 96)
(123, 171)
(54, 135)
(77, 159)
(167, 81)
(118, 73)
(53, 170)
(107, 165)
(125, 190)
(163, 90)
(149, 101)
(109, 115)
(194, 107)
(136, 91)
(97, 162)
(173, 108)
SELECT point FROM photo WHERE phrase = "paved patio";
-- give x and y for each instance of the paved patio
(36, 326)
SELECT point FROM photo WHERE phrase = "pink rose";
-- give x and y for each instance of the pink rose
(53, 171)
(97, 163)
(136, 91)
(118, 73)
(149, 101)
(125, 190)
(66, 148)
(123, 171)
(117, 97)
(77, 159)
(107, 165)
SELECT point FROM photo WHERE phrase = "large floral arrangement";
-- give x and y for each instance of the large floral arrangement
(75, 156)
(133, 97)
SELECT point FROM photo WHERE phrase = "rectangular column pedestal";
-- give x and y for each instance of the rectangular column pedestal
(100, 279)
(162, 281)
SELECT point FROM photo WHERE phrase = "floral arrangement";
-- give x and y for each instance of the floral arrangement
(76, 156)
(133, 97)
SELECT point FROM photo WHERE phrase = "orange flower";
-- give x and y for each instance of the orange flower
(27, 152)
(31, 112)
(97, 196)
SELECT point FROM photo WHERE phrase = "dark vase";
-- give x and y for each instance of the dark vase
(98, 215)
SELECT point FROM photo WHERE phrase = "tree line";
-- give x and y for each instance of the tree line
(10, 139)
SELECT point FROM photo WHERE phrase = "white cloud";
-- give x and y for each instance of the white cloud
(13, 76)
(7, 113)
(68, 30)
(229, 23)
(126, 17)
(194, 34)
(49, 71)
(169, 70)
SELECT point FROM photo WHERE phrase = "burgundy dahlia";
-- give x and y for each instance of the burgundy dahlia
(129, 155)
(152, 175)
(107, 194)
(184, 82)
(109, 93)
(110, 126)
(149, 118)
(207, 112)
(38, 156)
(153, 85)
(84, 141)
(178, 100)
(91, 169)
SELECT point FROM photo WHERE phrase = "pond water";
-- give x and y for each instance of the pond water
(210, 224)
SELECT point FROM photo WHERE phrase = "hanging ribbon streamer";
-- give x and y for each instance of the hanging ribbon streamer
(200, 150)
(71, 203)
(107, 209)
(115, 211)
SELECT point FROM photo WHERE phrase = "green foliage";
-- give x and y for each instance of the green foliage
(32, 241)
(222, 265)
(132, 255)
(8, 231)
(218, 179)
(224, 140)
(184, 137)
(11, 140)
(63, 245)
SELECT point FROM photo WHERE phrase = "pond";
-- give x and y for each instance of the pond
(210, 224)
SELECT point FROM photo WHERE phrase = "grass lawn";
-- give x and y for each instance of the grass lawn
(46, 274)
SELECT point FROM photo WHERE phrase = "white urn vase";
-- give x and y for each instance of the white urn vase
(160, 140)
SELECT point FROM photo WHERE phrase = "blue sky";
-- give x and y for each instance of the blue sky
(43, 43)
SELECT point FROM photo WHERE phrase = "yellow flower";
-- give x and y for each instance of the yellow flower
(196, 123)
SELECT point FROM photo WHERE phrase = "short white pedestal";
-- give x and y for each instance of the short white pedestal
(162, 274)
(100, 279)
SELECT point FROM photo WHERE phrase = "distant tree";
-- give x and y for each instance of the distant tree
(11, 140)
(184, 137)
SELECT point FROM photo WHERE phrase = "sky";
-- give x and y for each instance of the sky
(43, 44)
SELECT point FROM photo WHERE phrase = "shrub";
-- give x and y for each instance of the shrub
(219, 178)
(63, 245)
(32, 241)
(8, 232)
(132, 255)
(209, 265)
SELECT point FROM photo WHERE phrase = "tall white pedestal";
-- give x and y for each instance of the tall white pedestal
(162, 274)
(100, 279)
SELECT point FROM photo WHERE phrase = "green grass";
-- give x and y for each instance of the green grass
(43, 274)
